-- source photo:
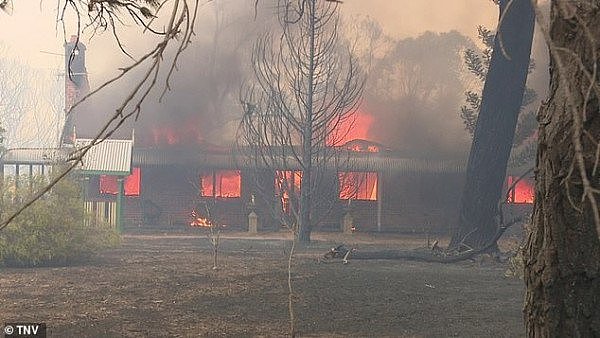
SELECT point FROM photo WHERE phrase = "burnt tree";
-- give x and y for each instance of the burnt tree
(562, 254)
(299, 109)
(493, 137)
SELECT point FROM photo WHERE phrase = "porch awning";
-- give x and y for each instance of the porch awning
(109, 157)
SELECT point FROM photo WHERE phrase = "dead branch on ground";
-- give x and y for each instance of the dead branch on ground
(422, 255)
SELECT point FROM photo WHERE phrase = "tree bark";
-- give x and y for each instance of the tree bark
(305, 225)
(562, 255)
(496, 123)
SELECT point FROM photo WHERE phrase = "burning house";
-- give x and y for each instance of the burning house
(175, 186)
(175, 178)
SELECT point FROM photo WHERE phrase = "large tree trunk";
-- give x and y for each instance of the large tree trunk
(562, 255)
(495, 129)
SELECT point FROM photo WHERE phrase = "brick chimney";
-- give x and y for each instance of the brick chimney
(76, 83)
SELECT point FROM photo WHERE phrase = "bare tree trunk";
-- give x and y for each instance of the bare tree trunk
(495, 130)
(307, 136)
(294, 113)
(562, 255)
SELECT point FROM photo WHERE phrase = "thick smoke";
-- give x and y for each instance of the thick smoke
(416, 85)
(410, 18)
(201, 106)
(414, 91)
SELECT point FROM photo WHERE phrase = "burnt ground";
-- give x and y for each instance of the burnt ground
(163, 285)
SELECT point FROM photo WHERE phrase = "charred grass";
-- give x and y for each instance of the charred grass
(161, 285)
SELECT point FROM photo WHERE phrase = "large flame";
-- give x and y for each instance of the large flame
(358, 185)
(221, 183)
(353, 128)
(109, 184)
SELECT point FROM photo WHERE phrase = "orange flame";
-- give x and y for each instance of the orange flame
(286, 183)
(221, 183)
(187, 134)
(523, 191)
(164, 135)
(354, 128)
(358, 186)
(109, 185)
(356, 147)
(200, 222)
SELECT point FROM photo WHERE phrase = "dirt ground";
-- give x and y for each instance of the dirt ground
(163, 286)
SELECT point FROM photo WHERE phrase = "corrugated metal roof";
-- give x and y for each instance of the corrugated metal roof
(116, 156)
(382, 162)
(108, 156)
(35, 155)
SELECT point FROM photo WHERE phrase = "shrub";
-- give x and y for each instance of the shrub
(55, 230)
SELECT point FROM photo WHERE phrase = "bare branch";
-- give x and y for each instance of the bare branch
(180, 22)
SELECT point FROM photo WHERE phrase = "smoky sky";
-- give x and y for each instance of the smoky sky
(201, 105)
(427, 37)
(414, 92)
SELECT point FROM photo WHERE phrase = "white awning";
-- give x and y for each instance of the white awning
(109, 157)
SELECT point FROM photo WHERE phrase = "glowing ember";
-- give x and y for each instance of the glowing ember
(359, 145)
(287, 183)
(199, 222)
(523, 191)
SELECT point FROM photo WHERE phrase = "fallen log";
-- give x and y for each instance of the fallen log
(434, 255)
(422, 255)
